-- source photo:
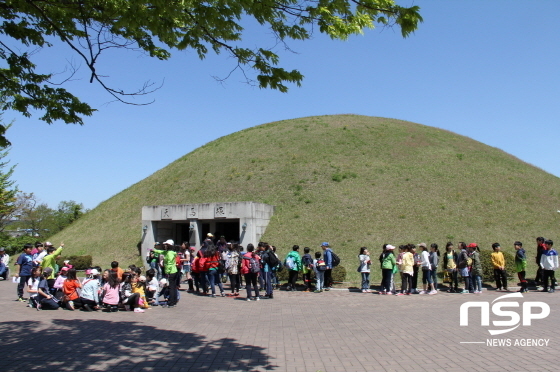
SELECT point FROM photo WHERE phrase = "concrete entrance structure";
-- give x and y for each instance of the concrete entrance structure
(244, 222)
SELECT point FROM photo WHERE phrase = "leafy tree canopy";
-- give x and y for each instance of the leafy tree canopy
(8, 190)
(156, 27)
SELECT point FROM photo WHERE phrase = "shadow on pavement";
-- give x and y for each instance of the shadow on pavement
(80, 345)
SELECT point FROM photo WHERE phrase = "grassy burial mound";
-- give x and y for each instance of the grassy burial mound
(350, 180)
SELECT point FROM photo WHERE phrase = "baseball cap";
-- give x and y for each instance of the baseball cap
(169, 241)
(390, 247)
(325, 244)
(423, 245)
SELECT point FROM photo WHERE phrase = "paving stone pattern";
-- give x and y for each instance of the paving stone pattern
(337, 331)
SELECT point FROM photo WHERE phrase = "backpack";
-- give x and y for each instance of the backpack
(321, 265)
(290, 263)
(270, 258)
(307, 261)
(335, 259)
(254, 266)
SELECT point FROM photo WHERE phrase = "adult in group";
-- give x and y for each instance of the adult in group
(327, 257)
(170, 269)
(4, 262)
(50, 261)
(25, 264)
(293, 264)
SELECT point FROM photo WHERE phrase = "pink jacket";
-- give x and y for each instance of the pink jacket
(245, 266)
(111, 296)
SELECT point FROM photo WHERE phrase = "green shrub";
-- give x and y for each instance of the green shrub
(282, 275)
(79, 262)
(339, 274)
(488, 268)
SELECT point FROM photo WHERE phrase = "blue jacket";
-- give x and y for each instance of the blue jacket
(327, 256)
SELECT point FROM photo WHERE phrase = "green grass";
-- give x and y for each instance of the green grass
(351, 180)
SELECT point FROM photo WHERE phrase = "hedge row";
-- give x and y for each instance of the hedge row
(79, 262)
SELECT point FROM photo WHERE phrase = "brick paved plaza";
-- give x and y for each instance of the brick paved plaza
(295, 331)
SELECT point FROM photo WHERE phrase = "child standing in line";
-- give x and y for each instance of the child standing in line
(388, 263)
(521, 265)
(307, 267)
(399, 265)
(407, 270)
(434, 263)
(364, 269)
(463, 264)
(499, 263)
(549, 264)
(450, 265)
(319, 267)
(427, 282)
(476, 267)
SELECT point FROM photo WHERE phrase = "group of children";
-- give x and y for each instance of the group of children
(216, 262)
(51, 287)
(464, 263)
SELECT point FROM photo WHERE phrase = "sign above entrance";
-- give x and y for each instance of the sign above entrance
(165, 214)
(220, 211)
(192, 211)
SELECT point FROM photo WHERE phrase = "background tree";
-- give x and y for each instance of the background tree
(90, 28)
(7, 189)
(38, 219)
(67, 212)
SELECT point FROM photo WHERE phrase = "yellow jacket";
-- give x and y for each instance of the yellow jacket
(407, 263)
(498, 260)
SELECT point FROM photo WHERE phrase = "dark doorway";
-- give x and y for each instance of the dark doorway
(182, 233)
(229, 229)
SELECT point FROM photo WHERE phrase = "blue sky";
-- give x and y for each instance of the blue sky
(484, 69)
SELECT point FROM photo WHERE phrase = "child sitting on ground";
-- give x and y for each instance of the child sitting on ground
(139, 286)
